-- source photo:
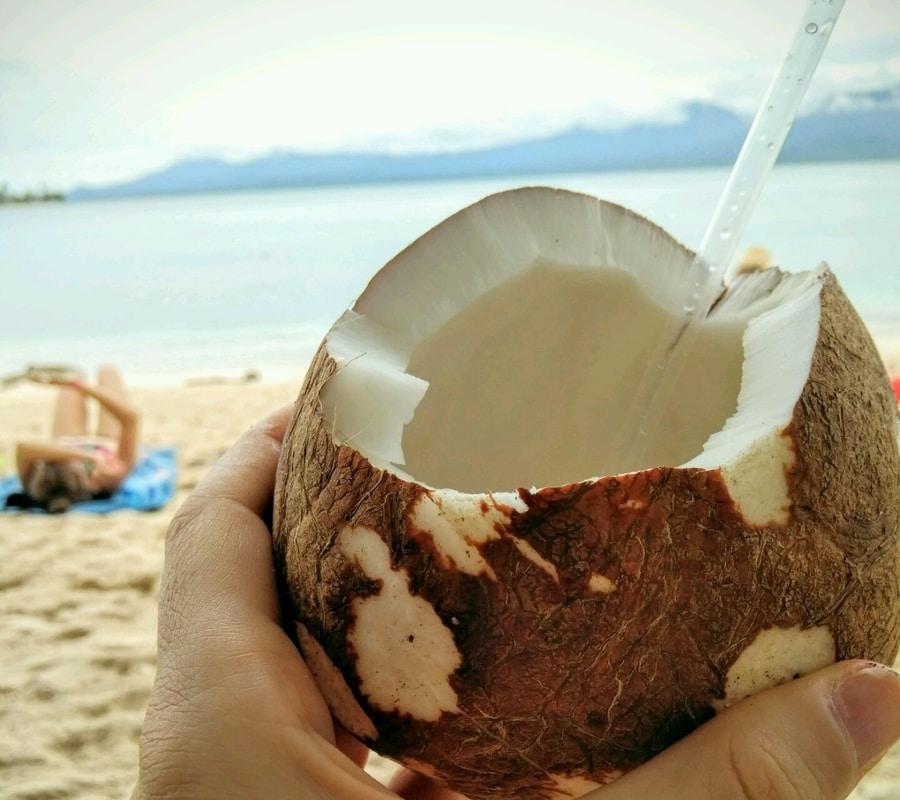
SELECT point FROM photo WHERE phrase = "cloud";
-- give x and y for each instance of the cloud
(871, 49)
(90, 86)
(10, 67)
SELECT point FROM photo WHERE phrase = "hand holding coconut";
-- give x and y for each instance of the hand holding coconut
(235, 714)
(487, 583)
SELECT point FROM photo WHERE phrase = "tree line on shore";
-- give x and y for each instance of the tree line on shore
(42, 196)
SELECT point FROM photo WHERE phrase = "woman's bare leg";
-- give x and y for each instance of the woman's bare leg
(70, 413)
(110, 379)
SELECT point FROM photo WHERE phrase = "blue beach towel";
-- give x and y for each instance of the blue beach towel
(149, 486)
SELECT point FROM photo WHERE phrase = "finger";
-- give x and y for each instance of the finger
(811, 739)
(218, 609)
(218, 567)
(245, 474)
(350, 746)
(411, 786)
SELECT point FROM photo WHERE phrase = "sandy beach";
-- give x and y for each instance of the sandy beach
(78, 603)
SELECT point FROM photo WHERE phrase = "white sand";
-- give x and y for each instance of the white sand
(78, 607)
(78, 602)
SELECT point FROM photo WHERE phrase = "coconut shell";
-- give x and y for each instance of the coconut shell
(604, 619)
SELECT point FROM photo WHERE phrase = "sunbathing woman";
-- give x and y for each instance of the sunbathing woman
(76, 465)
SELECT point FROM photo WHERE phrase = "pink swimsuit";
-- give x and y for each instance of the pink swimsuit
(103, 462)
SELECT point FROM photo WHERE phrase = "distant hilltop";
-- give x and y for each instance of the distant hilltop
(847, 126)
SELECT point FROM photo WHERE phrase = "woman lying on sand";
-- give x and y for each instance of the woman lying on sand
(76, 465)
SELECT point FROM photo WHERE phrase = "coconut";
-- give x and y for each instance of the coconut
(539, 642)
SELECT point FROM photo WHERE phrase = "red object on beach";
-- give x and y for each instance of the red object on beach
(895, 385)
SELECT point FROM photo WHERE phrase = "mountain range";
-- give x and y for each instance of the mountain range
(847, 126)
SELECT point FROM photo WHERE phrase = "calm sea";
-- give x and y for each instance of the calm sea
(220, 283)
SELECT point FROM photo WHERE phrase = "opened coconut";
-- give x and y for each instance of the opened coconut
(537, 642)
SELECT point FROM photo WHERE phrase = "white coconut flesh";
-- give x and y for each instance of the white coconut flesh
(504, 349)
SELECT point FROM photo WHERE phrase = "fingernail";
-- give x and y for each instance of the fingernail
(867, 702)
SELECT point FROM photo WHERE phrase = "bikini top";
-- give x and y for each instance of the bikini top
(104, 463)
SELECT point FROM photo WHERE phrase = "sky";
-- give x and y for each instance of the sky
(93, 91)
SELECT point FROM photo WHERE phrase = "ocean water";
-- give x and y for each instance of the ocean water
(220, 283)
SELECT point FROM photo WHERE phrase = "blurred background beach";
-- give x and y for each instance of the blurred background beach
(234, 173)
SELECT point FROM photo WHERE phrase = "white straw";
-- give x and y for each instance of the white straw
(754, 163)
(761, 148)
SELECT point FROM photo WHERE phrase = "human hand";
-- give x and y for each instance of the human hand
(235, 713)
(54, 379)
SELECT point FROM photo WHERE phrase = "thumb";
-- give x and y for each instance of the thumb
(811, 739)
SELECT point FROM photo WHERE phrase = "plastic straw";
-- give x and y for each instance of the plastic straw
(761, 148)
